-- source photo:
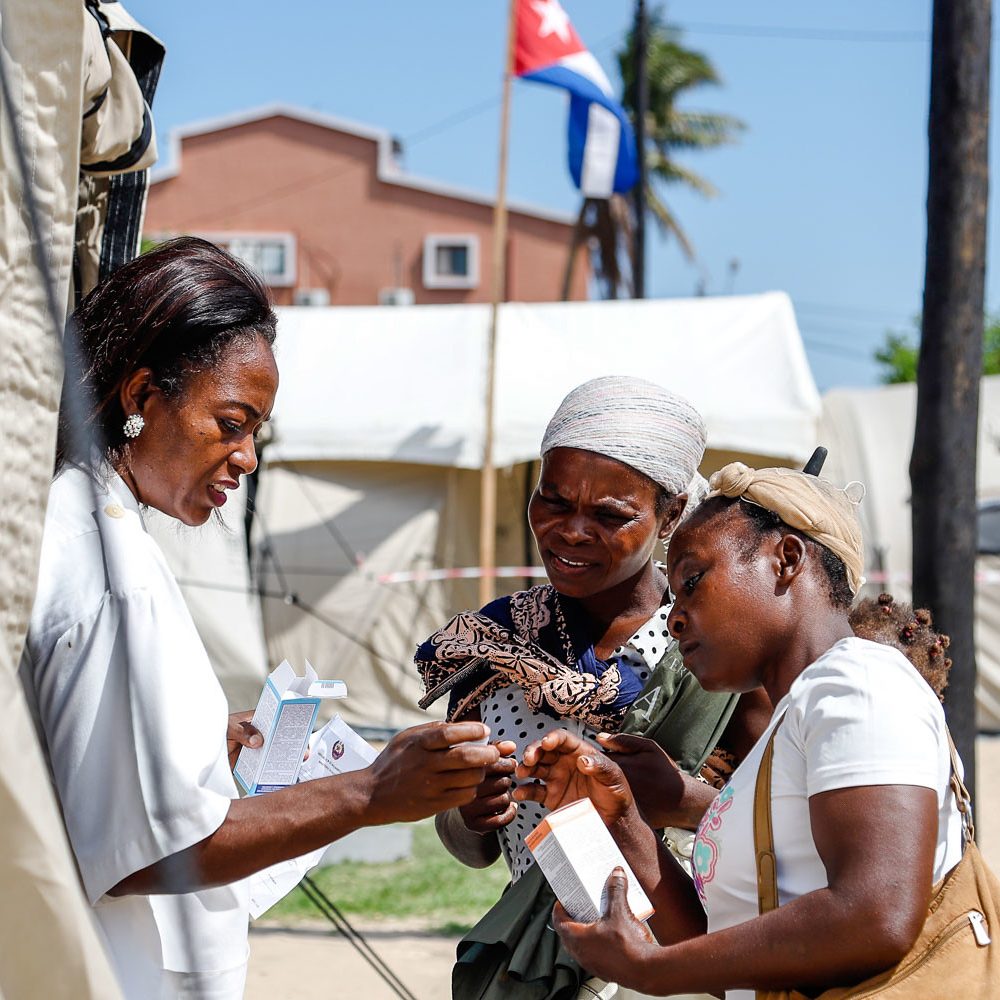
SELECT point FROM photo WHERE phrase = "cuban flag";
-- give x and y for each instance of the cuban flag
(602, 155)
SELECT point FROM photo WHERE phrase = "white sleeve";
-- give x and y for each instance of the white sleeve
(136, 737)
(867, 720)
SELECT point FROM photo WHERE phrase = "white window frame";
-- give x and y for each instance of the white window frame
(288, 277)
(432, 242)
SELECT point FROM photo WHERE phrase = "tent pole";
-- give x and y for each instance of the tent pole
(487, 489)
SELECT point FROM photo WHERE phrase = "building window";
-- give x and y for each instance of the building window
(451, 261)
(271, 255)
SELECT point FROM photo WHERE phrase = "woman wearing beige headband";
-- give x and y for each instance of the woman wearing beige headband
(864, 818)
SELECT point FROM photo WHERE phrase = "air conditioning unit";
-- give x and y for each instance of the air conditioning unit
(311, 297)
(395, 297)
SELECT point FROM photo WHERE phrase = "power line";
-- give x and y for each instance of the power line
(839, 350)
(848, 311)
(853, 335)
(803, 34)
(456, 118)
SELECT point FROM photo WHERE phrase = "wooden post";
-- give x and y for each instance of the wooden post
(943, 463)
(488, 480)
(640, 35)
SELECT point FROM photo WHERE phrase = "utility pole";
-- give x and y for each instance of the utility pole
(943, 463)
(640, 33)
(488, 478)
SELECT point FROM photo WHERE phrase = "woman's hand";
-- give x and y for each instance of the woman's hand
(665, 795)
(493, 807)
(426, 770)
(240, 733)
(566, 768)
(614, 947)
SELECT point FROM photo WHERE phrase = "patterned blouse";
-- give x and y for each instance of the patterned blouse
(508, 716)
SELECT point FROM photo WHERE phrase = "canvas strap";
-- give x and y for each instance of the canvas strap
(763, 829)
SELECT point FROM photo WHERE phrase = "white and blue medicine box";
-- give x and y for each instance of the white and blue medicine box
(285, 715)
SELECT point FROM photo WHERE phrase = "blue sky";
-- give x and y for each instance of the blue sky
(823, 196)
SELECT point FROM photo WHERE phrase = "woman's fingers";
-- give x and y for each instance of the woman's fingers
(558, 741)
(240, 730)
(616, 893)
(487, 823)
(562, 921)
(530, 792)
(503, 765)
(601, 768)
(618, 913)
(626, 743)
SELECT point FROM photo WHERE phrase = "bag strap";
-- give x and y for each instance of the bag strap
(962, 796)
(763, 830)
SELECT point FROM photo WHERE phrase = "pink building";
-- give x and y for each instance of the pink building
(323, 209)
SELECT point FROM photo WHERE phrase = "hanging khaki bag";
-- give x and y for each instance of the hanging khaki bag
(956, 956)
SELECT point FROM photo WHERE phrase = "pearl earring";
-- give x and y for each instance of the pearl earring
(134, 425)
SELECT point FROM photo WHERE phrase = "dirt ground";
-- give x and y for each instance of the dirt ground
(311, 963)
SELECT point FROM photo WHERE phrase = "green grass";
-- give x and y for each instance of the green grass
(430, 885)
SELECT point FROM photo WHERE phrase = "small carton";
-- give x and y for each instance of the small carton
(285, 716)
(577, 853)
(334, 749)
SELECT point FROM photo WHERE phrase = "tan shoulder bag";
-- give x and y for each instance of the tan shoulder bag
(956, 955)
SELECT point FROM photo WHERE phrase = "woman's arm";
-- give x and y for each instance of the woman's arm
(877, 844)
(422, 771)
(566, 768)
(469, 832)
(665, 795)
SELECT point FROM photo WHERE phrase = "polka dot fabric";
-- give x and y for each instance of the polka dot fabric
(509, 718)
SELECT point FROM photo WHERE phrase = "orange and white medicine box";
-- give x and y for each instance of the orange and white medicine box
(577, 853)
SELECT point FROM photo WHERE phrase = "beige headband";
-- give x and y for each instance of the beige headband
(818, 509)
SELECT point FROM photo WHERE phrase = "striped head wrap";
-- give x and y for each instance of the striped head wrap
(636, 422)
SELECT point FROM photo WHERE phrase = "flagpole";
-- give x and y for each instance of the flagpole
(487, 488)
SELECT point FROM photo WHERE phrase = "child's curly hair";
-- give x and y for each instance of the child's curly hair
(911, 632)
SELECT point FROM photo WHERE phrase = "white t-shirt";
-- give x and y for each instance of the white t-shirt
(133, 722)
(509, 718)
(860, 715)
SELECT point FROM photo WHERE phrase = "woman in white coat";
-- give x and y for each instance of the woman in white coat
(176, 377)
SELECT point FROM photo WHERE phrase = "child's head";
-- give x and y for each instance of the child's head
(911, 632)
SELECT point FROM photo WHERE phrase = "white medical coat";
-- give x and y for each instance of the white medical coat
(133, 721)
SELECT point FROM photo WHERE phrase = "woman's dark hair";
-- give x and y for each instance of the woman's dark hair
(174, 310)
(764, 522)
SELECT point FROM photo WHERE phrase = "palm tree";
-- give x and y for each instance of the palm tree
(608, 224)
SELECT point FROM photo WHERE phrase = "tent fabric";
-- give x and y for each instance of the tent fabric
(333, 529)
(406, 384)
(48, 944)
(869, 433)
(378, 436)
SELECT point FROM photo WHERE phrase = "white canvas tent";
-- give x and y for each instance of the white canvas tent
(870, 436)
(372, 478)
(49, 945)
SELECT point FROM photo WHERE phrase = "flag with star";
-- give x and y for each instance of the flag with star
(547, 49)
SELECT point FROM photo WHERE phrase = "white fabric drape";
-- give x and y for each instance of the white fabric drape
(48, 944)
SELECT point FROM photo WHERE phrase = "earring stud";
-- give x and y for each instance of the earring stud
(133, 425)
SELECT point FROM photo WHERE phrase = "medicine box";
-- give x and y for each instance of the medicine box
(577, 853)
(285, 715)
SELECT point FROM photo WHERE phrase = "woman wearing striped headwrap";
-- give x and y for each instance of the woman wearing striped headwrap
(589, 650)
